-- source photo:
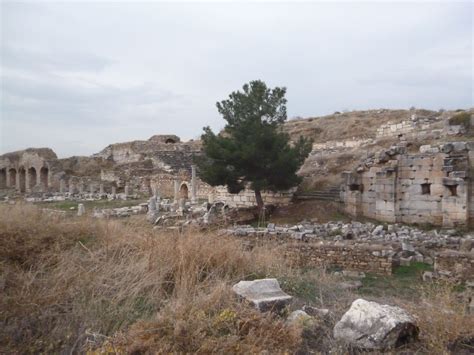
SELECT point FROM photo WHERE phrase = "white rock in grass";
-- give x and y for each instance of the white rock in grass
(81, 210)
(370, 325)
(264, 294)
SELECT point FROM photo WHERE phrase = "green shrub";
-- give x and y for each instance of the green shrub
(461, 118)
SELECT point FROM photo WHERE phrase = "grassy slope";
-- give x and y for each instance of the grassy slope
(76, 283)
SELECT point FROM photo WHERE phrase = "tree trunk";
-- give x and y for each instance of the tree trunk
(258, 198)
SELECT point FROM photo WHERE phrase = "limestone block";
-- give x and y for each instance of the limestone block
(370, 325)
(264, 294)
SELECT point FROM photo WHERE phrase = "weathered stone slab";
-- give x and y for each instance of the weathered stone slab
(264, 294)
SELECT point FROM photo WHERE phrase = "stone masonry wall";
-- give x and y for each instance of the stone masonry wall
(347, 255)
(246, 198)
(434, 187)
(417, 126)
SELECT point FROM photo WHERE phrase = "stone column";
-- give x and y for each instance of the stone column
(193, 184)
(27, 180)
(17, 182)
(114, 191)
(71, 186)
(7, 175)
(91, 188)
(101, 189)
(176, 190)
(62, 186)
(152, 213)
(127, 190)
(81, 187)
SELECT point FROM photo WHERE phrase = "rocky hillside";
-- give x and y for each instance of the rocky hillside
(341, 140)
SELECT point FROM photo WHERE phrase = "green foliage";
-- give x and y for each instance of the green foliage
(414, 270)
(461, 118)
(252, 148)
(405, 281)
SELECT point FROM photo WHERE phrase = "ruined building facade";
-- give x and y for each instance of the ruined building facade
(434, 186)
(161, 165)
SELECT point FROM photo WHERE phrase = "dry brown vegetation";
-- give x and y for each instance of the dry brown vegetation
(65, 279)
(347, 125)
(78, 284)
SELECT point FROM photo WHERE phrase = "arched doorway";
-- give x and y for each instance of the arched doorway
(183, 191)
(12, 175)
(3, 178)
(44, 177)
(31, 177)
(22, 173)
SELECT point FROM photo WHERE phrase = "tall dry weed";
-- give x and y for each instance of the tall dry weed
(64, 279)
(443, 319)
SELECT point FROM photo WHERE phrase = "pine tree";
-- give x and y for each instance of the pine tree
(253, 150)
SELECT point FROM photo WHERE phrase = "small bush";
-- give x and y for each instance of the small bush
(461, 119)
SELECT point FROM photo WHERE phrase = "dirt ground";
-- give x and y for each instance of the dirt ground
(313, 210)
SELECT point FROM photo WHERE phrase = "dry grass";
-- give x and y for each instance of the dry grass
(344, 126)
(101, 277)
(444, 320)
(72, 285)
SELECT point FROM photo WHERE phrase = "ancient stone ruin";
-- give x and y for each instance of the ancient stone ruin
(161, 166)
(434, 186)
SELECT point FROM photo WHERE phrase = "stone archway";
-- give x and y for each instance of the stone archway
(32, 177)
(3, 178)
(184, 191)
(22, 179)
(44, 172)
(12, 177)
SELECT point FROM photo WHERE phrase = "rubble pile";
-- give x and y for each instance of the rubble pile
(402, 244)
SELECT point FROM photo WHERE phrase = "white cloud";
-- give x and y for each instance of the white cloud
(96, 73)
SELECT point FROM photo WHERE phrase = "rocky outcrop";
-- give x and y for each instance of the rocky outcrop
(370, 325)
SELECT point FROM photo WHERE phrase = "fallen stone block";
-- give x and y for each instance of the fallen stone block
(370, 325)
(264, 294)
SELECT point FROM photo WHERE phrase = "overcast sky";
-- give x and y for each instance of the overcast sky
(78, 76)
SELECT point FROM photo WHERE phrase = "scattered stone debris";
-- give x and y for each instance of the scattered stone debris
(405, 240)
(120, 211)
(370, 325)
(264, 294)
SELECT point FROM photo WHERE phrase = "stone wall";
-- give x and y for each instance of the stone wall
(347, 256)
(341, 145)
(246, 198)
(432, 187)
(417, 126)
(394, 129)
